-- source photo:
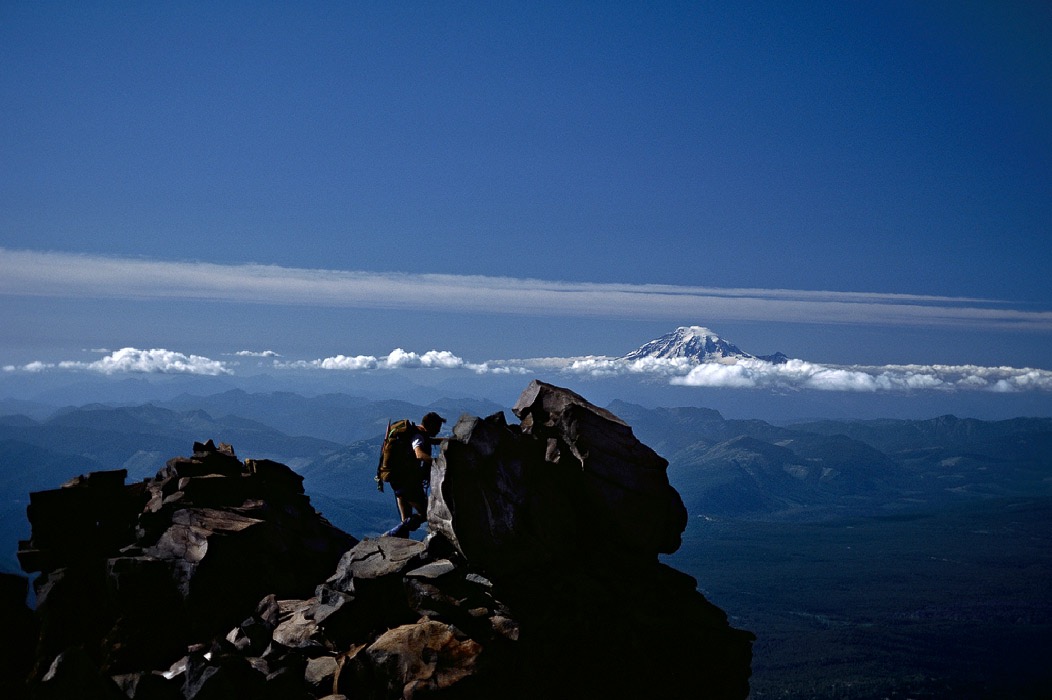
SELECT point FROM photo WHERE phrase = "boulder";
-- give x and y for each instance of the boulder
(626, 491)
(133, 574)
(320, 675)
(570, 481)
(418, 660)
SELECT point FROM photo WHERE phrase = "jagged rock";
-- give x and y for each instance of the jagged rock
(20, 633)
(501, 507)
(220, 677)
(297, 628)
(73, 610)
(367, 594)
(418, 660)
(287, 681)
(275, 477)
(539, 578)
(149, 685)
(132, 574)
(320, 674)
(73, 675)
(572, 479)
(90, 516)
(146, 619)
(626, 488)
(614, 631)
(375, 559)
(329, 602)
(253, 635)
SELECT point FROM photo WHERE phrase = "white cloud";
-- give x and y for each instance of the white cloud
(32, 273)
(800, 374)
(744, 373)
(134, 360)
(256, 353)
(396, 359)
(32, 367)
(349, 363)
(601, 366)
(431, 358)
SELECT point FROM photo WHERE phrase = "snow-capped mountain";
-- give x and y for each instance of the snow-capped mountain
(698, 344)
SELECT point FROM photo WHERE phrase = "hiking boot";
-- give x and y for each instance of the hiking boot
(402, 529)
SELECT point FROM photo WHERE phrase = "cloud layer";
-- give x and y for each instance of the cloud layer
(33, 273)
(745, 373)
(136, 361)
(397, 359)
(800, 374)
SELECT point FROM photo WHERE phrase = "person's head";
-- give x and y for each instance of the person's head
(432, 423)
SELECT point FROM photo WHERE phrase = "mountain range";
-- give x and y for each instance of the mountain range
(218, 578)
(727, 467)
(945, 504)
(692, 366)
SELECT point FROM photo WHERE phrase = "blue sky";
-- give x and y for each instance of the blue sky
(848, 183)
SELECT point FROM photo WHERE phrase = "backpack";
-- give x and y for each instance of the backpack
(396, 453)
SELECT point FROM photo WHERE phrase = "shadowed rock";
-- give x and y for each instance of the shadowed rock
(570, 481)
(133, 574)
(539, 578)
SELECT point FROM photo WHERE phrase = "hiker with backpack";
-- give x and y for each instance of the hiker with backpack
(405, 463)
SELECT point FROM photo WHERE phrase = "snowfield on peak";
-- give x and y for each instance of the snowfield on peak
(695, 343)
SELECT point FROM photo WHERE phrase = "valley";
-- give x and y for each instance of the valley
(950, 603)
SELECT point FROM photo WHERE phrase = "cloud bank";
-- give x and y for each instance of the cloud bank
(53, 274)
(800, 374)
(136, 361)
(397, 359)
(741, 373)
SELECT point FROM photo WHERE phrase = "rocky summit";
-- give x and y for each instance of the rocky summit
(539, 577)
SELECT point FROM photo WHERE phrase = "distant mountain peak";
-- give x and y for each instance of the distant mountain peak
(696, 343)
(692, 342)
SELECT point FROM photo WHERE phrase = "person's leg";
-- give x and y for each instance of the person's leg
(409, 499)
(405, 506)
(399, 530)
(403, 500)
(415, 507)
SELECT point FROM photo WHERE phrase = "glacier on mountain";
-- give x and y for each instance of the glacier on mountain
(696, 344)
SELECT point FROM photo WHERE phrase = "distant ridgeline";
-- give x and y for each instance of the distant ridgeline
(752, 469)
(217, 579)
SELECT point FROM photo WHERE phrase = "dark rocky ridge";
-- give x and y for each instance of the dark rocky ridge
(217, 579)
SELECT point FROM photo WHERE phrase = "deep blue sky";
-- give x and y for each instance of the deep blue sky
(883, 148)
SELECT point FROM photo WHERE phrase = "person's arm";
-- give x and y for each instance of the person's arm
(422, 454)
(422, 450)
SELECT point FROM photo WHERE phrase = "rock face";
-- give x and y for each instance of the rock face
(540, 577)
(570, 482)
(132, 575)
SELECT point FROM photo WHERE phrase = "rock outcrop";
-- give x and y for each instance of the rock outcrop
(571, 482)
(539, 578)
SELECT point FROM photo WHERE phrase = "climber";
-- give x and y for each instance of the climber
(406, 465)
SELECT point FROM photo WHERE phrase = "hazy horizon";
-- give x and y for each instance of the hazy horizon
(392, 193)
